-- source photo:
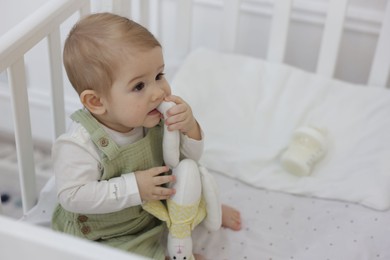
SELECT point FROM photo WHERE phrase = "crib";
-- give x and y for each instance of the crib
(249, 106)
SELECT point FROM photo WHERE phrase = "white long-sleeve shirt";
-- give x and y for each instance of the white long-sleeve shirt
(77, 171)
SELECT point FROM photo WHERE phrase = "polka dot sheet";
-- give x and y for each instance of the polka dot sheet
(279, 226)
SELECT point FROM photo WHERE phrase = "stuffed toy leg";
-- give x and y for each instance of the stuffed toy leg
(186, 209)
(196, 198)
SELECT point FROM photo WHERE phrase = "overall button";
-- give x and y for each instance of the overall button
(82, 218)
(103, 142)
(85, 230)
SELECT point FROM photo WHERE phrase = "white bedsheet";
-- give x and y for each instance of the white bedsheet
(280, 226)
(249, 108)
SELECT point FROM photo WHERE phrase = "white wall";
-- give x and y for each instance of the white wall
(357, 47)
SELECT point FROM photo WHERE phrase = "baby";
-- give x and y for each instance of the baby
(110, 160)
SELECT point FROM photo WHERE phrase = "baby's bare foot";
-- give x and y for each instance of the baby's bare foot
(231, 218)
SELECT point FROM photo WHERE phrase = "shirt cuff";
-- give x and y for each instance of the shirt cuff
(190, 141)
(132, 191)
(191, 148)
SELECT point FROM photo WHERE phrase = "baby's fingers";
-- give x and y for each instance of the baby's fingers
(158, 170)
(175, 99)
(163, 193)
(161, 180)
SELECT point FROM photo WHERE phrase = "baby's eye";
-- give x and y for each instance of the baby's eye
(139, 86)
(160, 76)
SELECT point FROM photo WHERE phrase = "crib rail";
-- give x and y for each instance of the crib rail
(45, 23)
(282, 9)
(278, 36)
(331, 40)
(23, 241)
(381, 65)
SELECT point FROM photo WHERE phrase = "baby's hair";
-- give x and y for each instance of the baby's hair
(95, 47)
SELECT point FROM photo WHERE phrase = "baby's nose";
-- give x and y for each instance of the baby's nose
(158, 94)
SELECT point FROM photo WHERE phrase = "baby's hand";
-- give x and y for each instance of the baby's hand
(150, 184)
(180, 118)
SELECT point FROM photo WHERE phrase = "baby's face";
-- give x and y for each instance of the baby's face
(139, 87)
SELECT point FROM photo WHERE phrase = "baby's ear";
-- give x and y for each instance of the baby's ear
(92, 101)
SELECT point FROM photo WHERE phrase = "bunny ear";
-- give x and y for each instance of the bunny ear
(158, 209)
(171, 139)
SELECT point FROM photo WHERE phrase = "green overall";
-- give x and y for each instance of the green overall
(131, 229)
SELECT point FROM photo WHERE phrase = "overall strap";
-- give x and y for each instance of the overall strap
(100, 138)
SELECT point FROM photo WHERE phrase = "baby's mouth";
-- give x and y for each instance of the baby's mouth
(153, 112)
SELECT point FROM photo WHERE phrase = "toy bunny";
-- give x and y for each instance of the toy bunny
(196, 199)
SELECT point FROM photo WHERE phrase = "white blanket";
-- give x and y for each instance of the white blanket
(249, 108)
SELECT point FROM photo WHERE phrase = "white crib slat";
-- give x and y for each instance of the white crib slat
(158, 21)
(380, 68)
(184, 24)
(145, 13)
(121, 7)
(86, 8)
(279, 30)
(23, 137)
(231, 14)
(57, 86)
(331, 37)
